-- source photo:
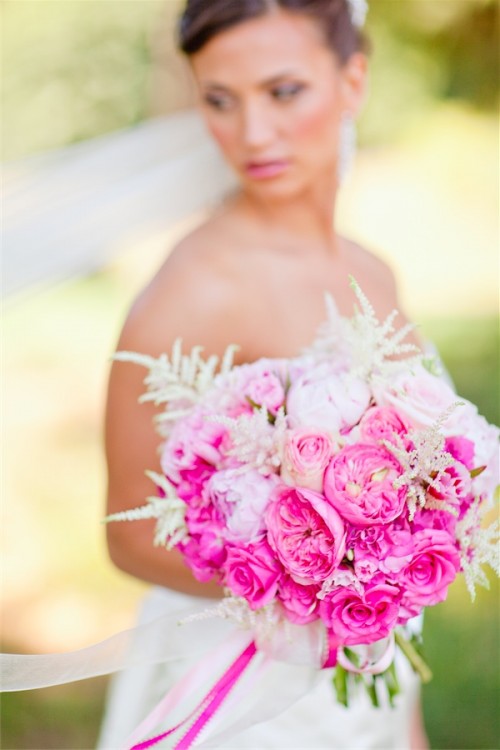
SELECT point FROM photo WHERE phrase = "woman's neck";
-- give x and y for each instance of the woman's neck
(305, 220)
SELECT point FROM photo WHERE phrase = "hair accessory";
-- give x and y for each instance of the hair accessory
(358, 10)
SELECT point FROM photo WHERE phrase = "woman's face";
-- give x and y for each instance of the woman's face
(272, 94)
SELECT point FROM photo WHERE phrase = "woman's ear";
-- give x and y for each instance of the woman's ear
(355, 83)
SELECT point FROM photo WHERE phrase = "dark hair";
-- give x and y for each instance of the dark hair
(204, 19)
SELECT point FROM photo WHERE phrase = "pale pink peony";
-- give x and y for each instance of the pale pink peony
(306, 456)
(300, 602)
(241, 498)
(435, 564)
(253, 573)
(418, 396)
(327, 400)
(306, 533)
(356, 618)
(359, 484)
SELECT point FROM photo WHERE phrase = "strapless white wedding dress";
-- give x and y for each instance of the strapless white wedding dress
(314, 721)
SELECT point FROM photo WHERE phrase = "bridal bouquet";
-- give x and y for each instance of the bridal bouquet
(341, 491)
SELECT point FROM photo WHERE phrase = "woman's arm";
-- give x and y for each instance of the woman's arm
(183, 300)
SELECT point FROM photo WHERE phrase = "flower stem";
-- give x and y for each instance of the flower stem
(414, 658)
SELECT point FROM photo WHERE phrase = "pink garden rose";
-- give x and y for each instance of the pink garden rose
(359, 484)
(253, 573)
(361, 618)
(462, 449)
(306, 533)
(266, 390)
(300, 602)
(435, 564)
(192, 453)
(241, 498)
(306, 456)
(327, 400)
(382, 423)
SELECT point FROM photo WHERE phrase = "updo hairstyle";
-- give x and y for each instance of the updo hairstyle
(204, 19)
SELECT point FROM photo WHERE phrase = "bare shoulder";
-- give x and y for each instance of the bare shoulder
(375, 277)
(194, 295)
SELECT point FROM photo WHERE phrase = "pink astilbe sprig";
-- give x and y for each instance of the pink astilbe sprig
(424, 462)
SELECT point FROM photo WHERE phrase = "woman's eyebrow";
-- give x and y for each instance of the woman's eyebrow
(262, 84)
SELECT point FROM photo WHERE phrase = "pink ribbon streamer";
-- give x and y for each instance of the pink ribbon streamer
(208, 706)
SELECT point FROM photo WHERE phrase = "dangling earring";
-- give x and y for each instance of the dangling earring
(347, 145)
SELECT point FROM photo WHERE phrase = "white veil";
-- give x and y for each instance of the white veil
(66, 212)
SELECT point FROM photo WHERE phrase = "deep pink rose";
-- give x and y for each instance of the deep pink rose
(306, 456)
(434, 566)
(307, 534)
(327, 400)
(205, 553)
(300, 602)
(359, 484)
(253, 573)
(361, 618)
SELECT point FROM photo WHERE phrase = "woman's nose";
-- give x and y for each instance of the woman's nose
(258, 126)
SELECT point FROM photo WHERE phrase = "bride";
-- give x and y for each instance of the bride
(280, 83)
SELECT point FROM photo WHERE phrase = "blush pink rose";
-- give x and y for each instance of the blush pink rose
(253, 573)
(327, 400)
(241, 498)
(306, 533)
(300, 602)
(356, 618)
(306, 456)
(359, 484)
(434, 566)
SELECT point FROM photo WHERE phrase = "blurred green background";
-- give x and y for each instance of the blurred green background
(424, 195)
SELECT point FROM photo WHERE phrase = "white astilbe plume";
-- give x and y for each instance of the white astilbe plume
(169, 512)
(332, 336)
(374, 344)
(237, 610)
(424, 464)
(179, 380)
(256, 443)
(478, 546)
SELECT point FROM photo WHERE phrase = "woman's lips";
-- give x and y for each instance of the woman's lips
(265, 170)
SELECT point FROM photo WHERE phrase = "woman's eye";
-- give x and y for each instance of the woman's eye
(219, 102)
(287, 91)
